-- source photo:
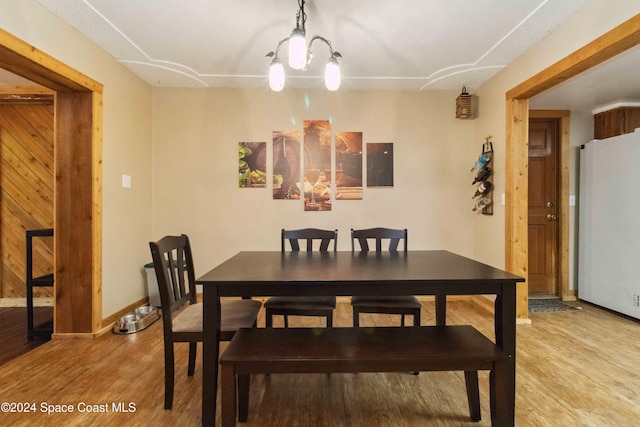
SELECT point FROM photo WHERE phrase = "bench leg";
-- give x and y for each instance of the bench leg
(244, 382)
(498, 392)
(473, 394)
(228, 395)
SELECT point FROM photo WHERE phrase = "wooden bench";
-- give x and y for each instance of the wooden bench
(350, 350)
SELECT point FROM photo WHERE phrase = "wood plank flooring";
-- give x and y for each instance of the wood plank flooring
(574, 368)
(13, 331)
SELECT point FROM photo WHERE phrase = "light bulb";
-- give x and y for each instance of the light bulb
(297, 49)
(332, 74)
(276, 75)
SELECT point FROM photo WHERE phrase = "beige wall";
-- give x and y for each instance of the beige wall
(196, 134)
(126, 146)
(598, 18)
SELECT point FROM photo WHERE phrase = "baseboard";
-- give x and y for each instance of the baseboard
(108, 322)
(22, 302)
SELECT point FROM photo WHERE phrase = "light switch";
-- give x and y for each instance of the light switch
(126, 181)
(572, 200)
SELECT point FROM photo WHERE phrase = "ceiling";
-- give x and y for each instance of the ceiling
(612, 82)
(403, 45)
(386, 44)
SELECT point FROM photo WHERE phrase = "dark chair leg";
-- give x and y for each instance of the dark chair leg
(356, 318)
(244, 382)
(168, 375)
(286, 321)
(268, 319)
(193, 349)
(473, 394)
(330, 320)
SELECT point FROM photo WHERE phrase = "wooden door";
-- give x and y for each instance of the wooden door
(543, 226)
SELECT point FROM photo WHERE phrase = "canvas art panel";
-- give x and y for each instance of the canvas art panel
(380, 164)
(286, 165)
(348, 154)
(317, 165)
(252, 164)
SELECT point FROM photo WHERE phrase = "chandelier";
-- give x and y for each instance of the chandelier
(300, 56)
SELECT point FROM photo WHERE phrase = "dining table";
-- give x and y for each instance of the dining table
(438, 273)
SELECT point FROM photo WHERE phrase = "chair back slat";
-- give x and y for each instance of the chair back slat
(173, 264)
(310, 235)
(379, 235)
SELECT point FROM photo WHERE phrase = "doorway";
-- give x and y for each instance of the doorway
(610, 44)
(543, 221)
(78, 184)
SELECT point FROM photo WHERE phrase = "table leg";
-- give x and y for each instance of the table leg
(505, 329)
(210, 353)
(441, 310)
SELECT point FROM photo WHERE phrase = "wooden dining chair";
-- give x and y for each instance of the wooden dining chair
(182, 314)
(286, 306)
(392, 304)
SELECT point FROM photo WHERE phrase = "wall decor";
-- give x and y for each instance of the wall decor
(252, 162)
(380, 164)
(286, 165)
(317, 165)
(482, 169)
(348, 168)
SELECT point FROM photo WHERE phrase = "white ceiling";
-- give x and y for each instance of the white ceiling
(616, 81)
(385, 44)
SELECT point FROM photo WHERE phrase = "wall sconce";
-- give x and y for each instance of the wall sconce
(465, 108)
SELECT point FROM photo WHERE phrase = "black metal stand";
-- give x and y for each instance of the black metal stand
(45, 329)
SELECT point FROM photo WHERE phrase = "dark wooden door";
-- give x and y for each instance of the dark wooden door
(543, 206)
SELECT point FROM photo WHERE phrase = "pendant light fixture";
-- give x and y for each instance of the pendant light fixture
(300, 56)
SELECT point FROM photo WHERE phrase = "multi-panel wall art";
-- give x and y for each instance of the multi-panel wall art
(312, 168)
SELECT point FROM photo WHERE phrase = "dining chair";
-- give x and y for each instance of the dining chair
(286, 306)
(391, 304)
(182, 313)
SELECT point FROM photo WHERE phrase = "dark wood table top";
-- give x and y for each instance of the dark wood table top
(352, 273)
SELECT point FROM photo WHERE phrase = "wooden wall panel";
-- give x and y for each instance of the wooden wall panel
(27, 193)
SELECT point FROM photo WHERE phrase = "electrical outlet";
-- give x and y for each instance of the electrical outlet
(636, 300)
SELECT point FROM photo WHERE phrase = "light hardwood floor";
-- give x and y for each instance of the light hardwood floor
(577, 368)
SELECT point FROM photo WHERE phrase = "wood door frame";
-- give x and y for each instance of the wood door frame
(77, 188)
(562, 176)
(610, 44)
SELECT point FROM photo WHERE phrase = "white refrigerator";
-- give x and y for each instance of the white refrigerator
(609, 224)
